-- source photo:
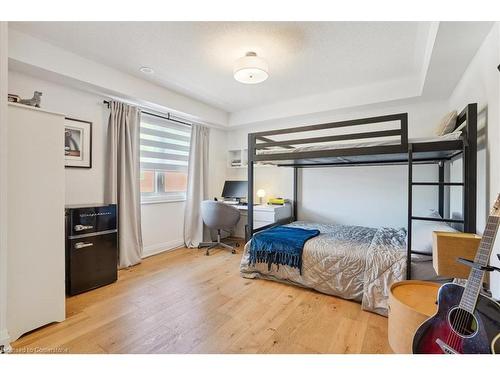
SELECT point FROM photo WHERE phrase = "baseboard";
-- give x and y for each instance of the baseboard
(161, 247)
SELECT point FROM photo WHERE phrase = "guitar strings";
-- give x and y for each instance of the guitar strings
(459, 320)
(462, 318)
(457, 324)
(455, 339)
(463, 315)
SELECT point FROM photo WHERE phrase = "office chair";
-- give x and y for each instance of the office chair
(219, 216)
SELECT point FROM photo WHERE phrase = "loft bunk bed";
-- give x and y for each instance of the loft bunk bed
(390, 146)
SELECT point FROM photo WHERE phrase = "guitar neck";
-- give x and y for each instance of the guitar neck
(475, 280)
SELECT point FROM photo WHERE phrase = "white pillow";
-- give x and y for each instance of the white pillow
(447, 123)
(422, 232)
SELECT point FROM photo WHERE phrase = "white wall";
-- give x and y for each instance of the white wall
(162, 223)
(162, 226)
(371, 196)
(481, 84)
(4, 337)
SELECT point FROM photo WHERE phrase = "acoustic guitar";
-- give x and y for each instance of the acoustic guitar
(466, 322)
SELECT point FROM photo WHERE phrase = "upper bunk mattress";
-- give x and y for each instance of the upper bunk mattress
(359, 144)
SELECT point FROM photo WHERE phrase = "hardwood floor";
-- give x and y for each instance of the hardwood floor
(185, 302)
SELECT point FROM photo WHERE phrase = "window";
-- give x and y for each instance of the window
(164, 159)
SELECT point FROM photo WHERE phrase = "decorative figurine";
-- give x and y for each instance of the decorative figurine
(34, 101)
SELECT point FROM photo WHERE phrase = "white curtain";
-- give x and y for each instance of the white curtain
(197, 188)
(122, 184)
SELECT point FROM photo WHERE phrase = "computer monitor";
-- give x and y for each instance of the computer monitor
(235, 189)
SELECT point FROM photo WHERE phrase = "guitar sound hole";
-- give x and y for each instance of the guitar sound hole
(463, 322)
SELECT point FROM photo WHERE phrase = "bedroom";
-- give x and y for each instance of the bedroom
(304, 158)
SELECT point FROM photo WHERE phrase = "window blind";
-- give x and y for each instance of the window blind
(164, 156)
(164, 144)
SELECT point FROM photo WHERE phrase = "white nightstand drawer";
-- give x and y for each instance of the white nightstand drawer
(263, 216)
(259, 224)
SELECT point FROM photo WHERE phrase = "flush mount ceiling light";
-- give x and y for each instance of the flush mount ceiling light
(250, 69)
(146, 70)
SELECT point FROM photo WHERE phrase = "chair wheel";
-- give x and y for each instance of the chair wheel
(207, 253)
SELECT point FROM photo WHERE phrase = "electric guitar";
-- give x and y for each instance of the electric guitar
(466, 322)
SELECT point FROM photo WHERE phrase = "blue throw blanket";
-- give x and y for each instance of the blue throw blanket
(280, 245)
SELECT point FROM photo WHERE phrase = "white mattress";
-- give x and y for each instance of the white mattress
(361, 143)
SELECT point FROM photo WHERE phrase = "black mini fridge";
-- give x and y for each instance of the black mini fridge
(91, 247)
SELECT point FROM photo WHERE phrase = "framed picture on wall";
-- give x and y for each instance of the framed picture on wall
(77, 143)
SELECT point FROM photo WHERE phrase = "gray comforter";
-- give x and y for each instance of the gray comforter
(351, 262)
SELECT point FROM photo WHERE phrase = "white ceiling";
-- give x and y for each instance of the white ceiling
(196, 58)
(307, 60)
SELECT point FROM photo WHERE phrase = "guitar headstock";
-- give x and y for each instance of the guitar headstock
(495, 211)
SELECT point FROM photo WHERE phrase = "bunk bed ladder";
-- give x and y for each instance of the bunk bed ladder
(410, 212)
(441, 185)
(469, 175)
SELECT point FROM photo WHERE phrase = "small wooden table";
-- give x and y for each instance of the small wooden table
(411, 302)
(447, 247)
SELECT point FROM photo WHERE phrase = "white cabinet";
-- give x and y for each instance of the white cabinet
(36, 258)
(262, 215)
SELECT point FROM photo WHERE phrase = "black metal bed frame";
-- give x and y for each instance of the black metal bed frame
(402, 153)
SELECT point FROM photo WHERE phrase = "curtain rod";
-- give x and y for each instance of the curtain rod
(167, 117)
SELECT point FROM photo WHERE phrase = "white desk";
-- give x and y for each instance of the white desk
(262, 215)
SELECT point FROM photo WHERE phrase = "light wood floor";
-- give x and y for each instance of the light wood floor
(185, 302)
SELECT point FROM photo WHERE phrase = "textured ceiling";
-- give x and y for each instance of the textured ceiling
(196, 58)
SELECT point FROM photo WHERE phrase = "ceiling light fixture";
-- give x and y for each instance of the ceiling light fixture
(146, 70)
(250, 69)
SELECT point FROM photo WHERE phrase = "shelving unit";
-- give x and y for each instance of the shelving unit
(237, 158)
(241, 155)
